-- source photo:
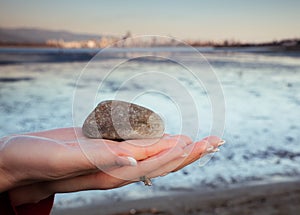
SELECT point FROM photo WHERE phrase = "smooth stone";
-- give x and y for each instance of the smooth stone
(119, 120)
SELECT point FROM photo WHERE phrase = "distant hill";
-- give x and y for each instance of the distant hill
(35, 35)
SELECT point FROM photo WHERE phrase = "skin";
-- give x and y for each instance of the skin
(55, 161)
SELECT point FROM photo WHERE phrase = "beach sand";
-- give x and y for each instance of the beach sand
(276, 198)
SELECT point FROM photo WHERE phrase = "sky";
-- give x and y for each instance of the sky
(214, 20)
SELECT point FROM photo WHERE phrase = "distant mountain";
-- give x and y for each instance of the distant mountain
(35, 35)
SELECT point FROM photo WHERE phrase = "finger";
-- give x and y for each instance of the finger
(123, 176)
(141, 149)
(197, 150)
(167, 168)
(127, 150)
(118, 176)
(214, 141)
(77, 159)
(192, 152)
(147, 166)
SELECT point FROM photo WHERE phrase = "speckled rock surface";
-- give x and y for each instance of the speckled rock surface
(119, 120)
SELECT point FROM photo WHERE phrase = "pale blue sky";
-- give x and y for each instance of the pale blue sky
(256, 20)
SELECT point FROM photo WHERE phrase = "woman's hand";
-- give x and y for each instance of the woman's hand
(65, 153)
(63, 160)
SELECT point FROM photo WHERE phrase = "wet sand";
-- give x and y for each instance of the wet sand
(276, 198)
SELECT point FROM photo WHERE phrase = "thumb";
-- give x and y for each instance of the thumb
(126, 161)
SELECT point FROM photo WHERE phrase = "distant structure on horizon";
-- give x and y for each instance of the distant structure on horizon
(123, 41)
(32, 37)
(101, 43)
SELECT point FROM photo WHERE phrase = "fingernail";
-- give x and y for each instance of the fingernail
(210, 149)
(184, 155)
(221, 143)
(132, 161)
(215, 150)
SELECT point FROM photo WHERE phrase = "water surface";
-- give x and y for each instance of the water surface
(261, 90)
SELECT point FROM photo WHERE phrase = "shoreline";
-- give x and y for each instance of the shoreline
(25, 55)
(274, 198)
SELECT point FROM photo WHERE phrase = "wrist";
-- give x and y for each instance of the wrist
(5, 183)
(29, 194)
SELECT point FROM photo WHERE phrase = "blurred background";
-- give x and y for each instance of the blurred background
(48, 54)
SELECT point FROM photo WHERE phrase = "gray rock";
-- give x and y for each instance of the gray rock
(119, 120)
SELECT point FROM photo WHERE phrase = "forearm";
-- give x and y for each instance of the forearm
(6, 181)
(22, 157)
